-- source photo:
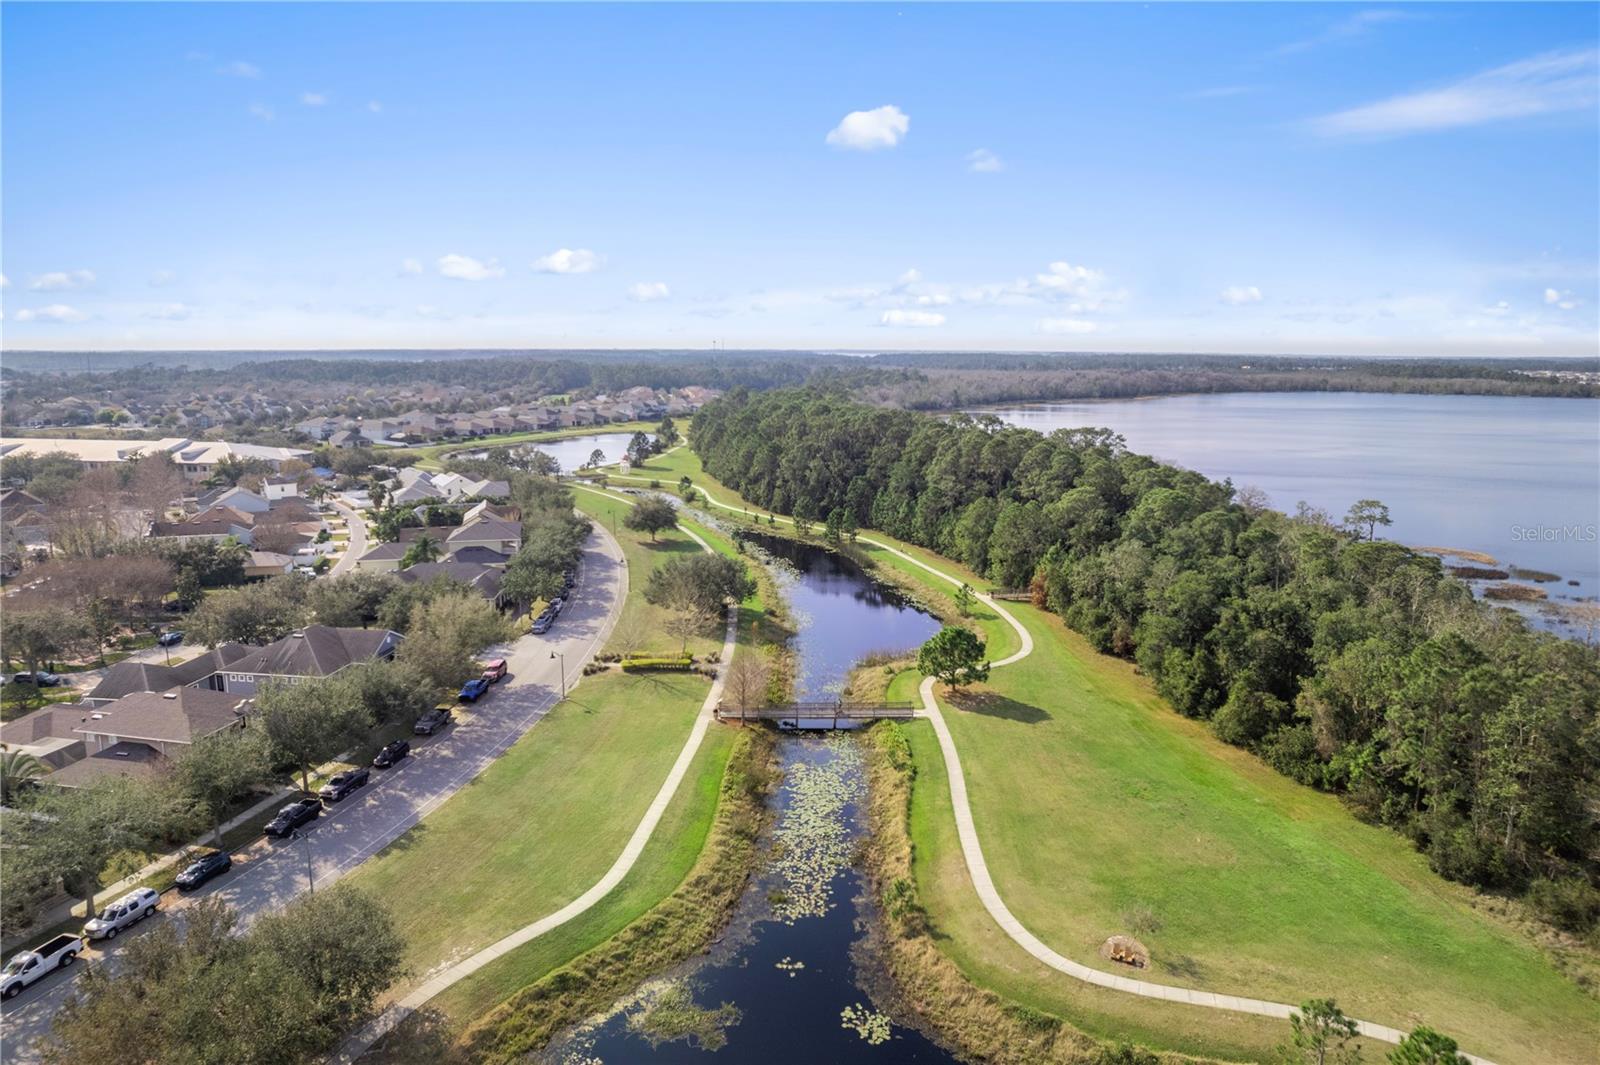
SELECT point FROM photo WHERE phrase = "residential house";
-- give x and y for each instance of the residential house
(485, 580)
(125, 678)
(267, 564)
(276, 488)
(496, 534)
(384, 558)
(315, 651)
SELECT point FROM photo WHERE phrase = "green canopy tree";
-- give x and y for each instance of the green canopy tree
(955, 656)
(652, 515)
(1321, 1035)
(1426, 1047)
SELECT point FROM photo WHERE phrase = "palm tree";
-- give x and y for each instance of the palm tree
(423, 550)
(17, 770)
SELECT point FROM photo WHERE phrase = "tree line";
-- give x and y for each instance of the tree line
(1349, 663)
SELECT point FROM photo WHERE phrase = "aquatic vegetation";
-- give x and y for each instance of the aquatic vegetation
(669, 1012)
(868, 1023)
(790, 966)
(813, 838)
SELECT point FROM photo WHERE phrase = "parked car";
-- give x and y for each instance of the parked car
(472, 689)
(29, 966)
(291, 817)
(342, 784)
(494, 669)
(135, 906)
(42, 679)
(392, 753)
(434, 720)
(204, 868)
(541, 624)
(555, 606)
(169, 639)
(569, 579)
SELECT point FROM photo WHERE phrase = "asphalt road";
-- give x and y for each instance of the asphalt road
(358, 538)
(268, 873)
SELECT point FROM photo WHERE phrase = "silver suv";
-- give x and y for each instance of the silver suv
(136, 905)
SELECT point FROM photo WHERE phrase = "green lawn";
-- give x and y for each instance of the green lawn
(1095, 802)
(539, 826)
(666, 860)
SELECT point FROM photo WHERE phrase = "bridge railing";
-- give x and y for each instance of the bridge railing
(815, 711)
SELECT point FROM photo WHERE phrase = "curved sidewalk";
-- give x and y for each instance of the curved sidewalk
(983, 883)
(389, 1018)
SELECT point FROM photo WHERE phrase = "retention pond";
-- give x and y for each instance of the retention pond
(795, 981)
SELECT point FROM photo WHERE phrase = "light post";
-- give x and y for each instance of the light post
(563, 657)
(311, 880)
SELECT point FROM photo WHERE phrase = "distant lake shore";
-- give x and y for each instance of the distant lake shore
(1513, 479)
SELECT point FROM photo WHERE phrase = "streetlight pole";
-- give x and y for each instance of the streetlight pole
(563, 656)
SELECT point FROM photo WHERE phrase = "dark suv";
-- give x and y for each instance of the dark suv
(343, 784)
(391, 754)
(204, 868)
(433, 721)
(293, 816)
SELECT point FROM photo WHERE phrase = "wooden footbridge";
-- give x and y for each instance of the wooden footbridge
(818, 715)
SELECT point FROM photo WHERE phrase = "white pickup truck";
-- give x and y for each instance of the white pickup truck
(29, 966)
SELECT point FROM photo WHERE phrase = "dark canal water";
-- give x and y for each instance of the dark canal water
(794, 967)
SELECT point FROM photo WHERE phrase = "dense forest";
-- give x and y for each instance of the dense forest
(1351, 664)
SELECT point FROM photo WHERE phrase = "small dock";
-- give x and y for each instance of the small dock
(805, 717)
(1012, 595)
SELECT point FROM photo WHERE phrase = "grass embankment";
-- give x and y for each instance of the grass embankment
(540, 825)
(671, 931)
(983, 1025)
(1102, 811)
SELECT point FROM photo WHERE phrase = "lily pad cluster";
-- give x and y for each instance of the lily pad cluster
(813, 841)
(866, 1022)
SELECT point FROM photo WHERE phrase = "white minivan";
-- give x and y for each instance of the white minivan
(136, 905)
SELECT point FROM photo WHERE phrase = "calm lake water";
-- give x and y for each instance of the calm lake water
(797, 953)
(1514, 477)
(573, 451)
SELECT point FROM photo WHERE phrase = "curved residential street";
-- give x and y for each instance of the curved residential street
(358, 538)
(268, 874)
(978, 868)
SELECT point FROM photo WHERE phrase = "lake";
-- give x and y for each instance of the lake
(797, 955)
(573, 451)
(1514, 477)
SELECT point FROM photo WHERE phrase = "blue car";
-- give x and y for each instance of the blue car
(473, 688)
(169, 639)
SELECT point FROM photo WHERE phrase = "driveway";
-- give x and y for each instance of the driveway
(268, 874)
(358, 538)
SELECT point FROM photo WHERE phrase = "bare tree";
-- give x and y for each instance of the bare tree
(745, 681)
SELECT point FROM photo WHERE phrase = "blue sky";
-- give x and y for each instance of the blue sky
(1306, 178)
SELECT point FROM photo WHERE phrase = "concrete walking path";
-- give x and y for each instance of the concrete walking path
(359, 1043)
(978, 868)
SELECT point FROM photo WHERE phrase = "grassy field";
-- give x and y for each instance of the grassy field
(541, 824)
(1101, 810)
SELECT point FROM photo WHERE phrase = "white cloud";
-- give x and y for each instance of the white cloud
(170, 312)
(466, 268)
(1070, 326)
(56, 312)
(5, 282)
(410, 267)
(1544, 84)
(1239, 295)
(569, 261)
(1082, 288)
(648, 291)
(313, 99)
(57, 280)
(240, 69)
(263, 112)
(374, 106)
(983, 161)
(1559, 298)
(162, 278)
(865, 131)
(911, 319)
(1351, 28)
(1498, 310)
